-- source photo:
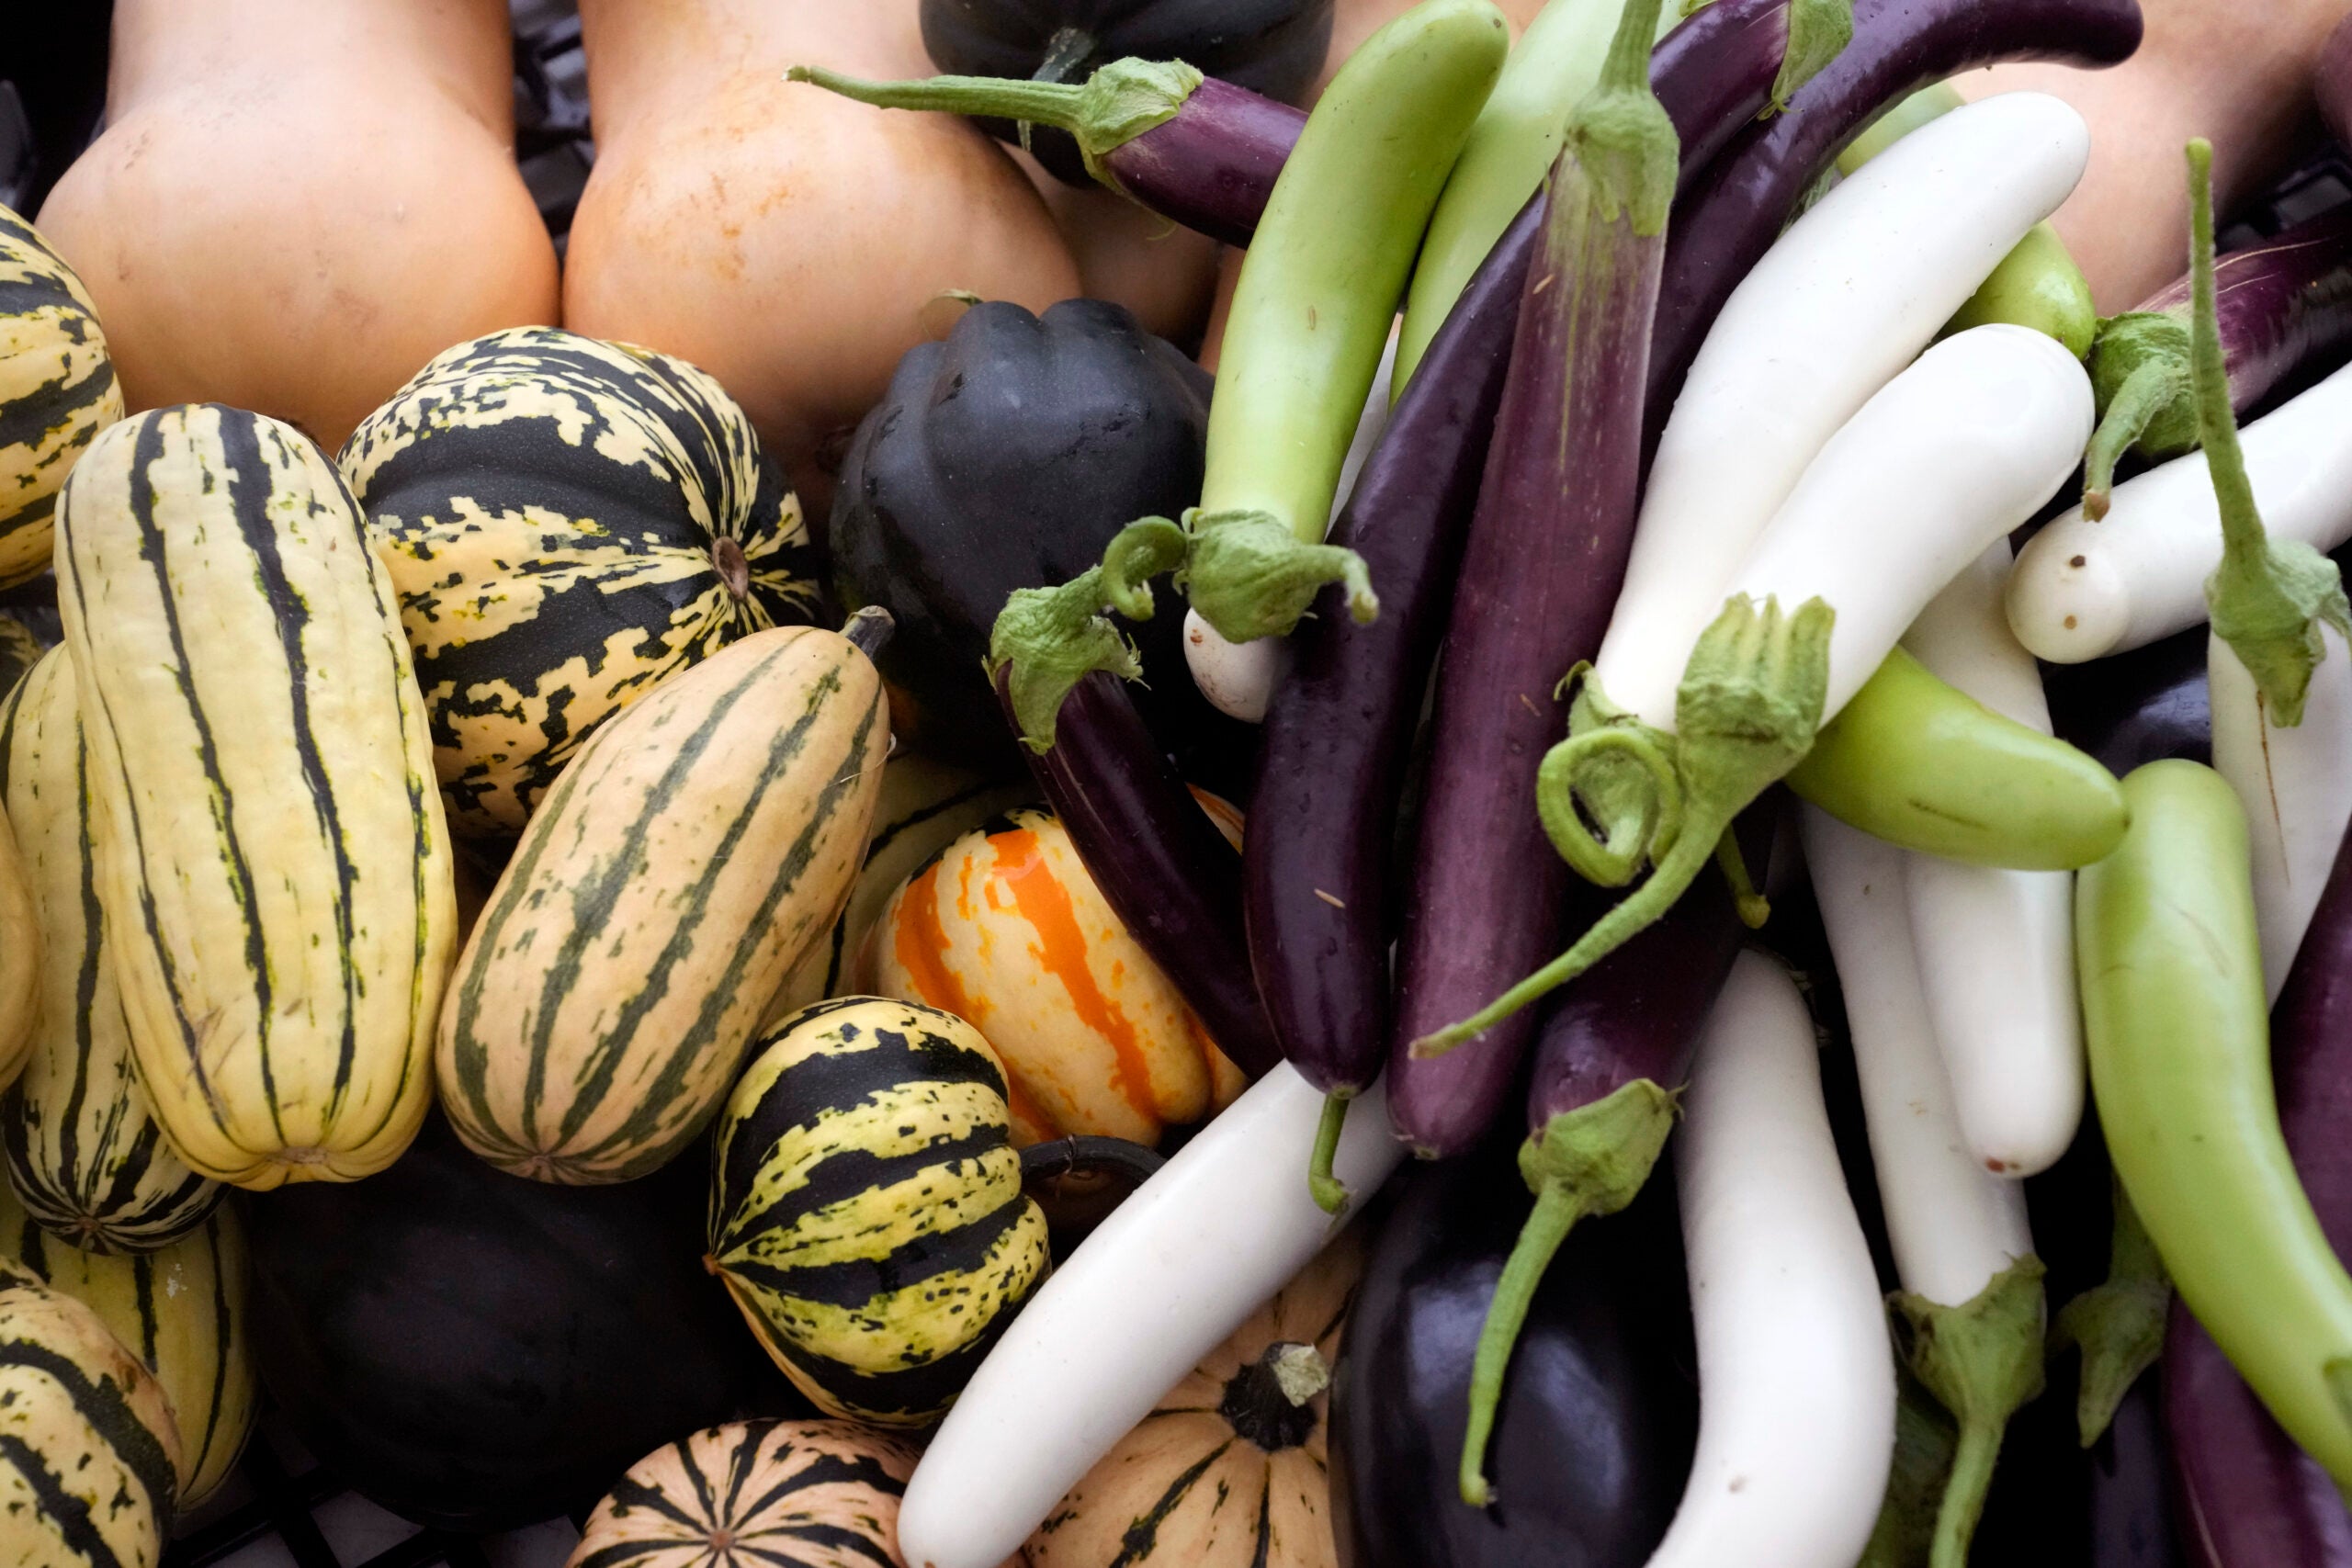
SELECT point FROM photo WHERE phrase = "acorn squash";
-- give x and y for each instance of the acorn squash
(568, 523)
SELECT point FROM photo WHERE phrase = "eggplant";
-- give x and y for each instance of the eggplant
(1006, 456)
(1272, 48)
(1727, 223)
(1600, 1413)
(1163, 868)
(2136, 707)
(478, 1352)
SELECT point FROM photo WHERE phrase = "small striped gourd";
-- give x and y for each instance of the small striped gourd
(57, 391)
(755, 1494)
(83, 1148)
(1230, 1471)
(568, 521)
(1006, 929)
(272, 858)
(20, 956)
(182, 1311)
(88, 1452)
(701, 843)
(866, 1210)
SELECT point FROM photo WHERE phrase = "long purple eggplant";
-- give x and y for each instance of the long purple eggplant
(2251, 1497)
(1206, 152)
(1728, 221)
(2283, 304)
(1162, 866)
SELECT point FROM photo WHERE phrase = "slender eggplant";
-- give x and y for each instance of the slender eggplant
(2136, 707)
(1601, 1410)
(1546, 549)
(1730, 220)
(1163, 868)
(2331, 83)
(2285, 304)
(2131, 1491)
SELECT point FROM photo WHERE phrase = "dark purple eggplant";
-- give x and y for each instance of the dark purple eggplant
(1729, 219)
(2136, 707)
(2284, 305)
(1600, 1413)
(2331, 83)
(1163, 868)
(2250, 1495)
(1270, 47)
(1545, 555)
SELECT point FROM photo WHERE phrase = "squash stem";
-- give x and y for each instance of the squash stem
(1330, 1193)
(868, 628)
(1132, 1162)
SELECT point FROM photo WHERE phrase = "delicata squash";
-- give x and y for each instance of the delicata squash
(272, 859)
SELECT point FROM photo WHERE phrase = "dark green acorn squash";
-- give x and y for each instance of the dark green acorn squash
(566, 522)
(1273, 47)
(475, 1351)
(1006, 456)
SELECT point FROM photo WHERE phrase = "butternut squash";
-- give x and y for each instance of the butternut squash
(296, 205)
(783, 239)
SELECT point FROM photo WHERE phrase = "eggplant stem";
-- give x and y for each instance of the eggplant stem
(2269, 597)
(1329, 1192)
(1755, 910)
(1053, 638)
(1636, 822)
(1983, 1361)
(1963, 1500)
(1557, 1210)
(2151, 385)
(868, 628)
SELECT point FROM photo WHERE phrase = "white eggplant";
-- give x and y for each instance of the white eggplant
(1796, 1382)
(1174, 1270)
(1997, 946)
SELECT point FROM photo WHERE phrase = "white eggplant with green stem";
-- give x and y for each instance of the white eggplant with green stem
(1971, 1307)
(2014, 1049)
(1950, 456)
(1796, 1382)
(1176, 1268)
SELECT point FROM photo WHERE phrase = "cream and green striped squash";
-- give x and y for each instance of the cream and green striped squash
(272, 857)
(57, 390)
(866, 1209)
(568, 521)
(20, 957)
(82, 1145)
(703, 841)
(88, 1452)
(182, 1311)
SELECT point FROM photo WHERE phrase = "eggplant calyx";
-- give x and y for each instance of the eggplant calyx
(1582, 1164)
(2269, 597)
(1046, 640)
(1983, 1361)
(2139, 365)
(1251, 577)
(1619, 773)
(1819, 31)
(1747, 711)
(1620, 137)
(2119, 1324)
(1109, 109)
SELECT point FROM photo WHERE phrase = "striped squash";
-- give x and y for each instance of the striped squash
(57, 390)
(866, 1210)
(20, 956)
(1005, 929)
(88, 1452)
(568, 523)
(703, 841)
(272, 858)
(83, 1146)
(756, 1494)
(182, 1311)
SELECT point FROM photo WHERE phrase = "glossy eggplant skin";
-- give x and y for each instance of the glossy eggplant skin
(1163, 868)
(2283, 305)
(478, 1352)
(1273, 47)
(1598, 1419)
(1212, 166)
(2136, 707)
(1727, 223)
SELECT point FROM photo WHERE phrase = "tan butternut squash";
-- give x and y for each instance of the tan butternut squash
(296, 204)
(785, 240)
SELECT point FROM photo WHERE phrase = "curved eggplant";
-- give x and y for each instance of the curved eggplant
(1599, 1415)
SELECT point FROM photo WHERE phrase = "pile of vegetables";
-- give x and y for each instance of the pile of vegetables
(811, 902)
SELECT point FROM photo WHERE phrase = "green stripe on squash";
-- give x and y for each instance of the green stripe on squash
(57, 391)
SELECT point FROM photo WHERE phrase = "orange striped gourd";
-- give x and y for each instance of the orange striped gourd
(1006, 930)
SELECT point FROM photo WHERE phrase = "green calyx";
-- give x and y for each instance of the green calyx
(1620, 135)
(2140, 374)
(1818, 32)
(1925, 1441)
(2119, 1325)
(1585, 1163)
(2269, 597)
(1747, 711)
(1330, 1194)
(1983, 1361)
(1249, 576)
(1109, 109)
(1046, 640)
